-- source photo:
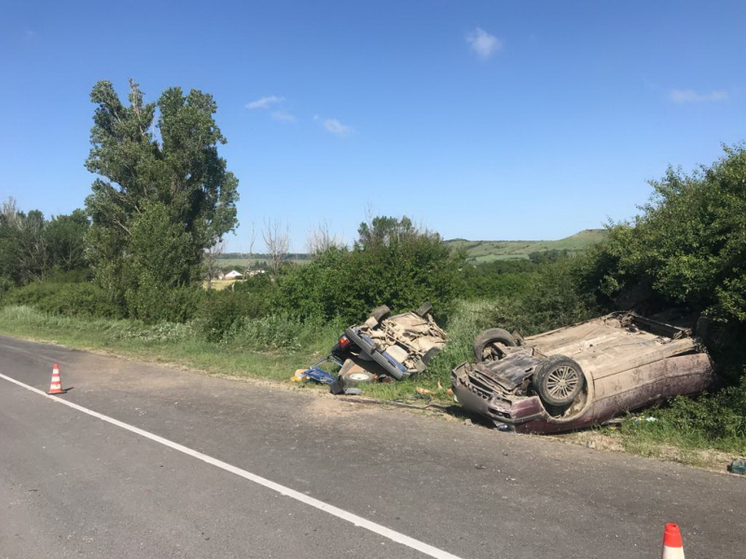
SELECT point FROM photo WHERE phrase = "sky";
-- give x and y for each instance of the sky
(492, 120)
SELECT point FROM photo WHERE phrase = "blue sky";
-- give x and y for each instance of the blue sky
(482, 120)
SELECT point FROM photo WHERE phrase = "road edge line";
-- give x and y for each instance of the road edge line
(342, 514)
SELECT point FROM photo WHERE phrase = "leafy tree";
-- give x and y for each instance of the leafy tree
(689, 243)
(393, 263)
(172, 182)
(23, 246)
(65, 236)
(384, 231)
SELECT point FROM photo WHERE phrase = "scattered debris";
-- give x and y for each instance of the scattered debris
(738, 466)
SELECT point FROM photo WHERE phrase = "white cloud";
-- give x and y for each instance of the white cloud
(483, 43)
(691, 96)
(283, 116)
(264, 102)
(335, 127)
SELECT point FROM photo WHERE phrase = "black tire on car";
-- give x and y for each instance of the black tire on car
(559, 381)
(379, 313)
(424, 309)
(485, 348)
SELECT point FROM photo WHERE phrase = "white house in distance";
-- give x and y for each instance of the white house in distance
(233, 274)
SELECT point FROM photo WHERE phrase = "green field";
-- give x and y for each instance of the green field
(488, 251)
(478, 252)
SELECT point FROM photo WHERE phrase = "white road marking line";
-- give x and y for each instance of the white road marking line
(354, 519)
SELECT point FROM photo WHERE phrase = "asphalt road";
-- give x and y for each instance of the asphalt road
(74, 485)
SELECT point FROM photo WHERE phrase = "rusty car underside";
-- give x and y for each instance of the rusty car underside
(626, 362)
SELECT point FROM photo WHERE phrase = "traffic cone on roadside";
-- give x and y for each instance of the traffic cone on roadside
(673, 548)
(56, 386)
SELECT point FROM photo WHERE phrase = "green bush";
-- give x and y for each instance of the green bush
(70, 299)
(487, 280)
(553, 297)
(153, 302)
(689, 243)
(221, 310)
(348, 284)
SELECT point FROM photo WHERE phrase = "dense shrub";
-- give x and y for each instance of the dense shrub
(71, 299)
(220, 311)
(154, 302)
(553, 297)
(80, 275)
(689, 243)
(349, 283)
(485, 280)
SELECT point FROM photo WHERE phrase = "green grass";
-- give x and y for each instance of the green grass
(489, 251)
(164, 343)
(181, 344)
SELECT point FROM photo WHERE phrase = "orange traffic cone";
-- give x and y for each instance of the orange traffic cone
(56, 386)
(673, 548)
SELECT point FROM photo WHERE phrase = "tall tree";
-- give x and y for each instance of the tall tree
(65, 236)
(23, 244)
(171, 172)
(383, 231)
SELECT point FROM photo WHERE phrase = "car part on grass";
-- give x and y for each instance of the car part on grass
(585, 374)
(738, 466)
(352, 374)
(315, 373)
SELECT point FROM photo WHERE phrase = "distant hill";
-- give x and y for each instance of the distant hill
(476, 251)
(489, 251)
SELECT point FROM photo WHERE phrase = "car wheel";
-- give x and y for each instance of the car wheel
(486, 346)
(559, 381)
(424, 309)
(379, 313)
(355, 378)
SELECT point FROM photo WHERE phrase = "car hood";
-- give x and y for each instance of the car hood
(511, 371)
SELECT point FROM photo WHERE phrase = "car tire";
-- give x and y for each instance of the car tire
(424, 309)
(379, 313)
(355, 378)
(559, 381)
(484, 348)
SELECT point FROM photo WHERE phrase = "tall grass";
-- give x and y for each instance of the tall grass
(247, 354)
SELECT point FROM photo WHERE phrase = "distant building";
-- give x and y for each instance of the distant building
(233, 274)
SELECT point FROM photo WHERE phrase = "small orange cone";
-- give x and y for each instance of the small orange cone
(56, 386)
(673, 548)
